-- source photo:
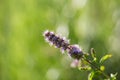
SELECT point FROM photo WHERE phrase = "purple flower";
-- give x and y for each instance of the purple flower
(57, 41)
(75, 52)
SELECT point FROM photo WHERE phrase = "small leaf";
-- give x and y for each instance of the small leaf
(93, 54)
(105, 58)
(95, 59)
(102, 68)
(85, 68)
(83, 65)
(93, 51)
(91, 75)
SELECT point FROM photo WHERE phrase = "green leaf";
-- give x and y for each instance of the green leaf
(102, 68)
(93, 51)
(91, 75)
(93, 54)
(83, 65)
(104, 58)
(85, 68)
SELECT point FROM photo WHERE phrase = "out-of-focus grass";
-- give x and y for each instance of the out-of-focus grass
(24, 55)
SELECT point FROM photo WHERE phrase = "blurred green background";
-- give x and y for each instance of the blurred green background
(24, 54)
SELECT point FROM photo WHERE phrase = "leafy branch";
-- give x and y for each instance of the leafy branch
(84, 61)
(95, 67)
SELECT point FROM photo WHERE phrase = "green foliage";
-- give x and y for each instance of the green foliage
(104, 58)
(90, 76)
(95, 67)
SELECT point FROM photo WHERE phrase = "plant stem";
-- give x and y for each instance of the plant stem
(104, 74)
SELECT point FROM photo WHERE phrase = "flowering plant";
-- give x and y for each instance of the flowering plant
(82, 60)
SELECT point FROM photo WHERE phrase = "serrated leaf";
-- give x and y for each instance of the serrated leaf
(85, 68)
(91, 75)
(83, 65)
(104, 58)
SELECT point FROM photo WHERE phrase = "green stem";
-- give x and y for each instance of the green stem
(104, 74)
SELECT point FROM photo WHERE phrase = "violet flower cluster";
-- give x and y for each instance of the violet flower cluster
(59, 42)
(81, 60)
